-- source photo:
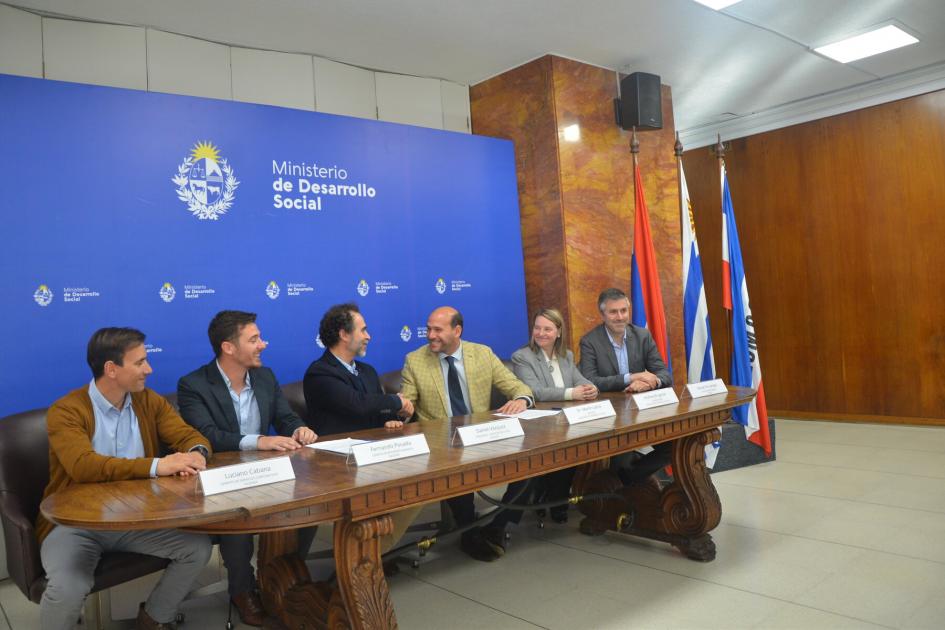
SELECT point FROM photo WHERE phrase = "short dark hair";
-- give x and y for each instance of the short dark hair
(337, 318)
(608, 295)
(111, 344)
(456, 319)
(226, 326)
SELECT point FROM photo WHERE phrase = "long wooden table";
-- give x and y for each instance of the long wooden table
(359, 500)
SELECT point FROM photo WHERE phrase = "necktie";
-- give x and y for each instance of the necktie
(456, 392)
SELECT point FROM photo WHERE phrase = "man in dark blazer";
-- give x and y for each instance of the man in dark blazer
(343, 394)
(234, 402)
(618, 356)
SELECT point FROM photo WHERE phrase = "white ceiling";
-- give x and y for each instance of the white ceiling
(746, 61)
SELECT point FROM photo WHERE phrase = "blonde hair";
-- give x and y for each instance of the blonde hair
(554, 316)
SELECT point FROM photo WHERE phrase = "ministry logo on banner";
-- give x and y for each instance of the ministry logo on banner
(405, 334)
(43, 296)
(272, 290)
(440, 286)
(363, 288)
(205, 182)
(167, 292)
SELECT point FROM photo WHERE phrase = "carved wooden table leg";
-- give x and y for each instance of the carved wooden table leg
(360, 573)
(288, 593)
(681, 514)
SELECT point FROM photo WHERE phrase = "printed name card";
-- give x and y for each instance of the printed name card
(387, 450)
(655, 398)
(706, 388)
(490, 431)
(591, 411)
(248, 475)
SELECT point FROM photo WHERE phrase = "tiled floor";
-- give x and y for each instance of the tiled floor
(845, 530)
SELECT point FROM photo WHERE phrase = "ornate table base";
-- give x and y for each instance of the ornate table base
(682, 514)
(361, 598)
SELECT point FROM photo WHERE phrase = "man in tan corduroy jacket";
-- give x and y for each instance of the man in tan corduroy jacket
(452, 377)
(111, 430)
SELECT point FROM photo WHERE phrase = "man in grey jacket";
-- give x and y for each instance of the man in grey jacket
(618, 356)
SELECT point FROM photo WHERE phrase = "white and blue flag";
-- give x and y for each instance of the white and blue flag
(700, 362)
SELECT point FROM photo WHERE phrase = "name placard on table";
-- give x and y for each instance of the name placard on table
(590, 411)
(490, 431)
(654, 398)
(247, 475)
(341, 447)
(705, 388)
(388, 450)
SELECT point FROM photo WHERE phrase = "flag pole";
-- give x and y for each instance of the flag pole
(678, 151)
(719, 150)
(634, 151)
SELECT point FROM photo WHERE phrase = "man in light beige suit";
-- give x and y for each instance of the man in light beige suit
(451, 377)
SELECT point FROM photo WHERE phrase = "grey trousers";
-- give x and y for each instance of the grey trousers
(70, 556)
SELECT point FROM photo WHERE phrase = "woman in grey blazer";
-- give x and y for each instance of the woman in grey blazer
(548, 368)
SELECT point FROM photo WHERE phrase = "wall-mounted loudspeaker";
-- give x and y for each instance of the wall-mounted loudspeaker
(639, 104)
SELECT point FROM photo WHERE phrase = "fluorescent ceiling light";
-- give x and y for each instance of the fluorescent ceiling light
(872, 43)
(718, 5)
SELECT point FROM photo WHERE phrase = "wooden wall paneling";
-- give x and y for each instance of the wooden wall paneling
(840, 221)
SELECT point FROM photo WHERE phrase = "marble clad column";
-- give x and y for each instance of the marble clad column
(576, 198)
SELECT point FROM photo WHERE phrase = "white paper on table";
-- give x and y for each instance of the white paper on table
(342, 446)
(530, 414)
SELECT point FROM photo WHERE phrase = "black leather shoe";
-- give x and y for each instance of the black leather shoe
(391, 568)
(495, 537)
(559, 514)
(477, 547)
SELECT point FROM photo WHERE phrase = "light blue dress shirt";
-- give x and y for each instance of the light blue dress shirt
(623, 363)
(460, 372)
(351, 367)
(117, 433)
(247, 411)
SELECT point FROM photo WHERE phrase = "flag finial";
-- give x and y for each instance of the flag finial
(678, 148)
(634, 143)
(719, 148)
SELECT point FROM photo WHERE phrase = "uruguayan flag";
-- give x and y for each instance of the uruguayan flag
(699, 359)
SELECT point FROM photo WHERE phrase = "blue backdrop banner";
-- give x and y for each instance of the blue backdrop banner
(129, 208)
